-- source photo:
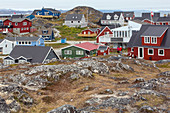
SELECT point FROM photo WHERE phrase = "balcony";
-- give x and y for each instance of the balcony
(116, 39)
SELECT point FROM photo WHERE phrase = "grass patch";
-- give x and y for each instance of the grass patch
(71, 33)
(165, 65)
(58, 45)
(151, 100)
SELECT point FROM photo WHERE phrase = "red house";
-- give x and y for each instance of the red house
(89, 32)
(17, 25)
(105, 32)
(103, 50)
(152, 42)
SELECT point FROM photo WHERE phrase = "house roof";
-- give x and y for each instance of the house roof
(136, 40)
(36, 53)
(111, 27)
(102, 48)
(22, 38)
(154, 31)
(17, 16)
(128, 14)
(40, 32)
(1, 40)
(163, 19)
(76, 17)
(52, 10)
(34, 12)
(87, 46)
(104, 17)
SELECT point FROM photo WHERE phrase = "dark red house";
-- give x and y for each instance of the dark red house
(90, 32)
(103, 50)
(152, 42)
(17, 25)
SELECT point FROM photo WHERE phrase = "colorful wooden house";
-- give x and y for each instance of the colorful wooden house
(80, 50)
(16, 25)
(75, 20)
(47, 34)
(119, 36)
(30, 54)
(154, 19)
(152, 42)
(47, 13)
(93, 32)
(103, 50)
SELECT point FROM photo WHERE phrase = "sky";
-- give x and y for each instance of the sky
(97, 4)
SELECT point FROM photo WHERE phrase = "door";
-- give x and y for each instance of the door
(140, 52)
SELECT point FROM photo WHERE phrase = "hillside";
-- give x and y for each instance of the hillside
(93, 14)
(96, 85)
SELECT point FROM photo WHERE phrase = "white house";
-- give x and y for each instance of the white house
(75, 20)
(6, 46)
(118, 36)
(112, 18)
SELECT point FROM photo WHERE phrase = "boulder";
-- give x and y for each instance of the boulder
(4, 108)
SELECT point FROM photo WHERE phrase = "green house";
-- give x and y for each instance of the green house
(79, 50)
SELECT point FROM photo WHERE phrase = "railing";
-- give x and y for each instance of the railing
(5, 26)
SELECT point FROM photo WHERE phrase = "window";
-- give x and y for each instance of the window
(27, 28)
(132, 49)
(157, 23)
(78, 21)
(108, 17)
(10, 23)
(22, 42)
(125, 33)
(68, 52)
(24, 23)
(24, 28)
(21, 29)
(160, 52)
(71, 21)
(79, 52)
(101, 50)
(29, 42)
(147, 39)
(26, 42)
(45, 31)
(106, 33)
(16, 24)
(6, 45)
(150, 52)
(154, 40)
(116, 17)
(19, 42)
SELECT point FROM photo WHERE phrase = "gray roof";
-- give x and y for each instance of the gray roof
(102, 48)
(22, 38)
(17, 16)
(111, 27)
(1, 40)
(104, 17)
(94, 29)
(163, 19)
(36, 53)
(154, 31)
(136, 40)
(128, 14)
(74, 17)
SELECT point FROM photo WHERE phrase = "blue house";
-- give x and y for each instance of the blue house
(27, 41)
(30, 17)
(48, 12)
(47, 34)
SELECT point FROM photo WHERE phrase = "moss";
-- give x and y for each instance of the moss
(58, 45)
(166, 65)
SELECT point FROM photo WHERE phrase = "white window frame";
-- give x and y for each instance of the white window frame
(102, 51)
(152, 51)
(152, 40)
(16, 23)
(68, 52)
(132, 49)
(10, 23)
(79, 52)
(146, 39)
(161, 54)
(24, 23)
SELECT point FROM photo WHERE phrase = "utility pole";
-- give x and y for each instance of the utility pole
(87, 16)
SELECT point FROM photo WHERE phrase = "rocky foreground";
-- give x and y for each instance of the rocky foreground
(94, 85)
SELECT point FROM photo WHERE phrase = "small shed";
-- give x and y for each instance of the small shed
(103, 50)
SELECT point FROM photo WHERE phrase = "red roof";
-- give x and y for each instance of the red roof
(87, 45)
